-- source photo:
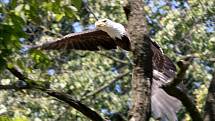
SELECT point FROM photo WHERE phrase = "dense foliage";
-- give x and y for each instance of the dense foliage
(181, 28)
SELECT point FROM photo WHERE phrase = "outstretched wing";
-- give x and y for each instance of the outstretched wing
(87, 40)
(96, 39)
(164, 106)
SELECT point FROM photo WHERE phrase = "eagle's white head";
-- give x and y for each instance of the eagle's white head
(113, 29)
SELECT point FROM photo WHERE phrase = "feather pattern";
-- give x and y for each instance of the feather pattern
(88, 40)
(164, 106)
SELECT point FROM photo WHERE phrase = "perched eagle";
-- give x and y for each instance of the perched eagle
(110, 35)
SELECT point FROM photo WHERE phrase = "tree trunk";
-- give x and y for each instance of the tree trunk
(210, 102)
(142, 72)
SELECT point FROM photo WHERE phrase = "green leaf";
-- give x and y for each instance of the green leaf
(71, 12)
(40, 59)
(19, 8)
(77, 3)
(5, 118)
(47, 5)
(59, 16)
(72, 8)
(22, 118)
(18, 22)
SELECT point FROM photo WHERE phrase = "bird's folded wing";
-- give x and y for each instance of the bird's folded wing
(87, 40)
(161, 62)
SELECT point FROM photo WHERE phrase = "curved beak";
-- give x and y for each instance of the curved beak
(99, 24)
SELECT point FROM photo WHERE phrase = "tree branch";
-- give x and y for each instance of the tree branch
(183, 65)
(171, 89)
(59, 95)
(94, 116)
(113, 58)
(17, 73)
(13, 86)
(106, 85)
(86, 6)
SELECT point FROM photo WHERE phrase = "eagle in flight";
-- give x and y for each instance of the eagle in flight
(110, 35)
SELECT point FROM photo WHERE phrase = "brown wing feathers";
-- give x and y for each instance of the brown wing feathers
(163, 105)
(95, 39)
(87, 40)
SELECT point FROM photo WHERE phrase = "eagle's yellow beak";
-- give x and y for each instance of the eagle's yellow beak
(99, 24)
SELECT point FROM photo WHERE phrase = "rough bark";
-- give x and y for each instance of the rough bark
(142, 72)
(209, 114)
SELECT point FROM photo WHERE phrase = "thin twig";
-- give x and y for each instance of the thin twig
(106, 85)
(45, 29)
(86, 5)
(113, 58)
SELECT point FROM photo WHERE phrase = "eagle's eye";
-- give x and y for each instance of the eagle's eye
(104, 21)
